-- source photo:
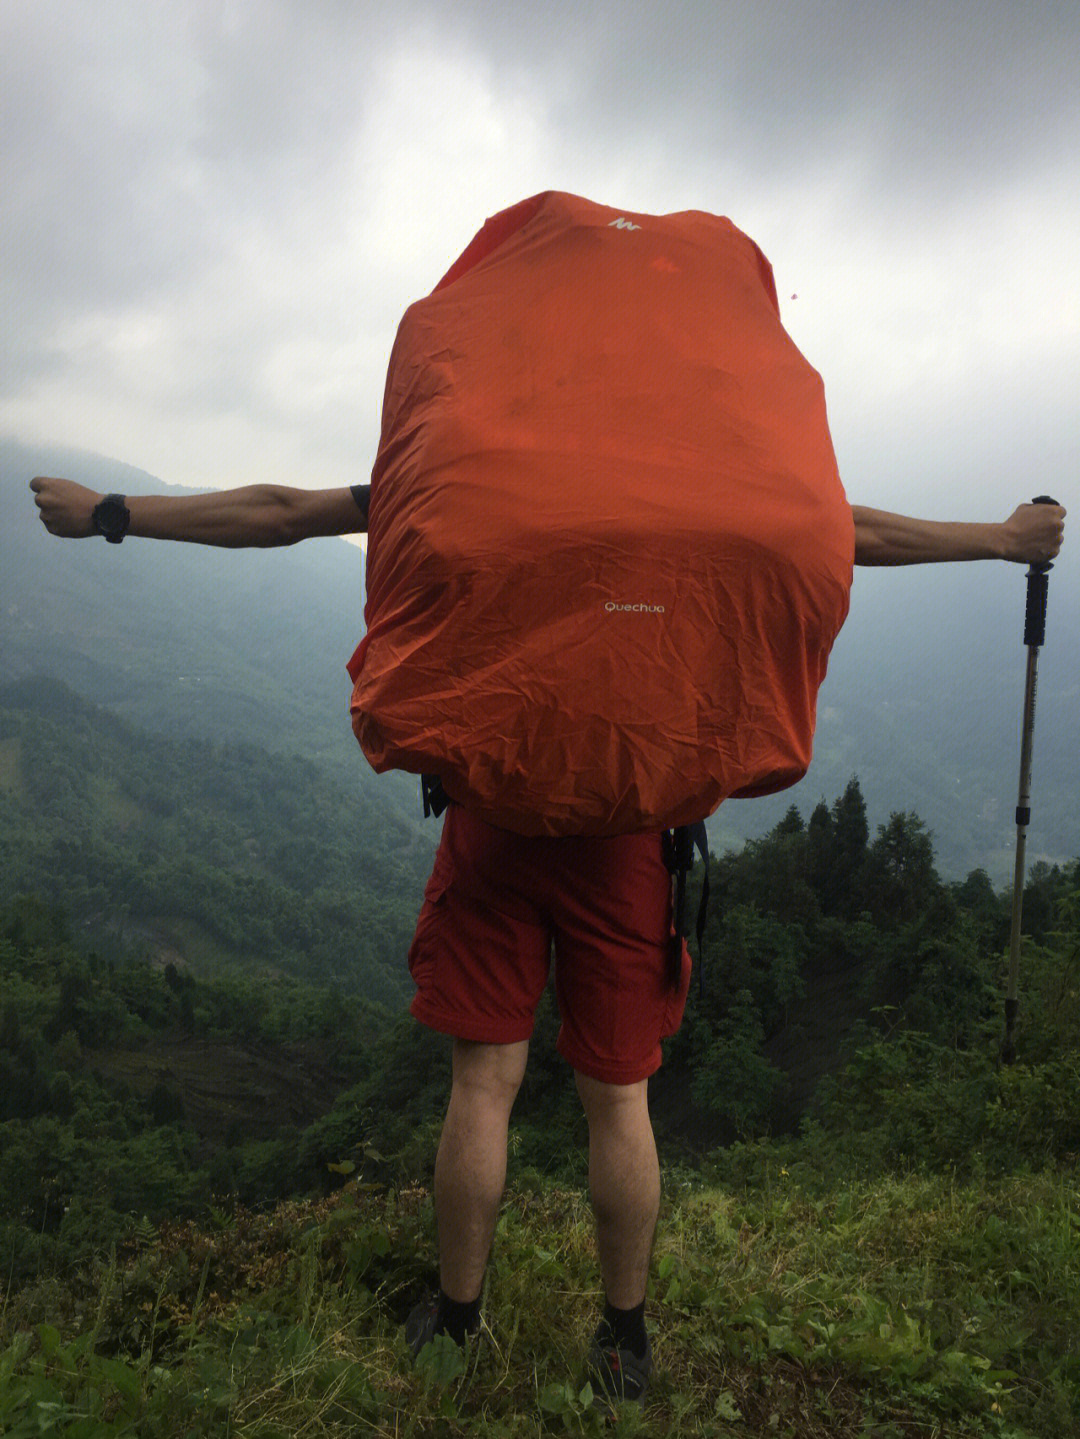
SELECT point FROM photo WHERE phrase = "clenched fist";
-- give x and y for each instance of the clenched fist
(1033, 533)
(66, 508)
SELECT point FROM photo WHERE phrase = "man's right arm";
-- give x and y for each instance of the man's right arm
(254, 515)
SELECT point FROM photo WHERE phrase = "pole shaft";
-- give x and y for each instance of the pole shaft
(1034, 635)
(1023, 815)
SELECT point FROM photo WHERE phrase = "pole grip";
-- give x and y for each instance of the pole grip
(1038, 580)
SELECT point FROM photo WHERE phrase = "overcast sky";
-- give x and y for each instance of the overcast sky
(213, 214)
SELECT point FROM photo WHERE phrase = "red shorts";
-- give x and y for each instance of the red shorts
(492, 907)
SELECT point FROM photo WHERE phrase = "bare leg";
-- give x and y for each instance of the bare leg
(624, 1180)
(470, 1170)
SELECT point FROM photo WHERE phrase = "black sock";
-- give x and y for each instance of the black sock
(456, 1319)
(627, 1327)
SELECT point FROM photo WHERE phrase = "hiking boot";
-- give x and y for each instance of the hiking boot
(617, 1374)
(420, 1325)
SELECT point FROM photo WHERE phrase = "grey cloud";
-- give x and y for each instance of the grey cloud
(937, 98)
(178, 155)
(132, 135)
(134, 140)
(88, 152)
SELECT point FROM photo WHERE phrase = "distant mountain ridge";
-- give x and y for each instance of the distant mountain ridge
(922, 700)
(186, 638)
(203, 854)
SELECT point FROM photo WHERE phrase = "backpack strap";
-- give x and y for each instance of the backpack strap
(678, 849)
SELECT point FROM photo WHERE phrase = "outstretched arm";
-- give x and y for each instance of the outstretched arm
(1031, 535)
(256, 515)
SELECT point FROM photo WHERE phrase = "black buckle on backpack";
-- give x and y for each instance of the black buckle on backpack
(434, 797)
(678, 850)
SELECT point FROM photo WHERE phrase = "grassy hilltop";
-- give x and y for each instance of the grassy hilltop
(897, 1308)
(907, 1267)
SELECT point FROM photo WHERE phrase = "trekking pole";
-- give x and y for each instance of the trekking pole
(1034, 634)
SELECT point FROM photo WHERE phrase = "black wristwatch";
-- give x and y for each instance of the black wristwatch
(111, 518)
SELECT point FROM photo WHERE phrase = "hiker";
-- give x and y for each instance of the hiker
(493, 905)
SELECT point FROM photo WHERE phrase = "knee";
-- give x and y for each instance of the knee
(489, 1074)
(613, 1103)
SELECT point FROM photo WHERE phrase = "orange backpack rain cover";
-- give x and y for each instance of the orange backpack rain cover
(608, 549)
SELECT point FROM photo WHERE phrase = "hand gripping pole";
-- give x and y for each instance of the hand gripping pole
(1034, 635)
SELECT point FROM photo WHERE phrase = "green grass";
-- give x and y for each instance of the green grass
(903, 1308)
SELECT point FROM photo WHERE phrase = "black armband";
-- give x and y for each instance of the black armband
(362, 495)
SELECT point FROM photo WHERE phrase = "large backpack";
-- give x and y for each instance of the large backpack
(608, 547)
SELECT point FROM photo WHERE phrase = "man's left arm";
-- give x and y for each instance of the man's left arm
(1031, 535)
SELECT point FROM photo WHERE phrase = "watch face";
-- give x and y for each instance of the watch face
(111, 517)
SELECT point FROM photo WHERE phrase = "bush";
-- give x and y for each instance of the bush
(909, 1103)
(1033, 1116)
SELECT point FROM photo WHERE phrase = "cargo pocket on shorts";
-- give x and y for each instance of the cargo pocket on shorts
(421, 956)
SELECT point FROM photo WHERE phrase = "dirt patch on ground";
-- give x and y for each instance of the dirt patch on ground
(228, 1089)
